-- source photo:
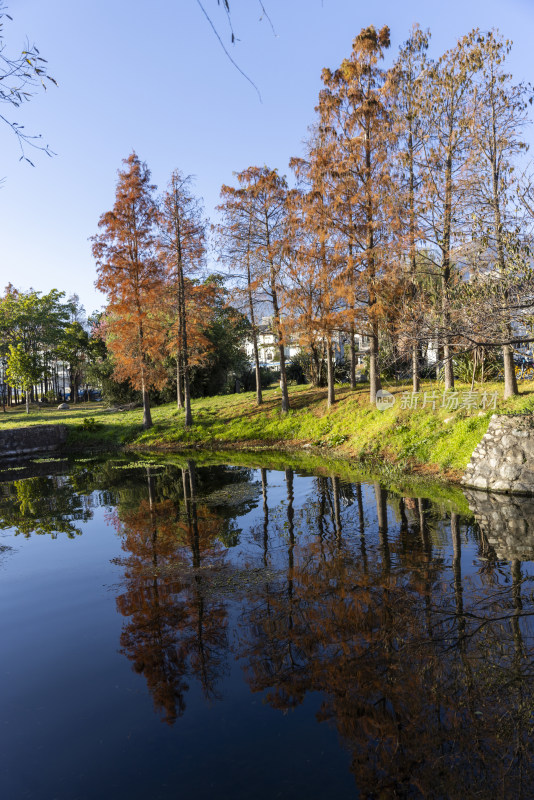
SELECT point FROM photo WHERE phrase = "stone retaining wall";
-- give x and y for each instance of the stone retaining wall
(34, 439)
(504, 459)
(506, 522)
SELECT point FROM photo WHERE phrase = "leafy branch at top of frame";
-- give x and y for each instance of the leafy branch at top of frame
(20, 76)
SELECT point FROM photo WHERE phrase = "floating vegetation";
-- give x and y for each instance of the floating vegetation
(139, 465)
(217, 579)
(46, 460)
(233, 494)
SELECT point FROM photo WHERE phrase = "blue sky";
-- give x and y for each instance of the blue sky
(152, 77)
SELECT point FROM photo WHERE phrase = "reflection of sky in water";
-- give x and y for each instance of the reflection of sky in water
(94, 637)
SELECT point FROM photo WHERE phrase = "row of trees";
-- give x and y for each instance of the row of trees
(50, 351)
(408, 222)
(44, 342)
(162, 307)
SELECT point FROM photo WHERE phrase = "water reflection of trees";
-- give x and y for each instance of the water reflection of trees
(176, 630)
(423, 660)
(175, 535)
(424, 671)
(42, 505)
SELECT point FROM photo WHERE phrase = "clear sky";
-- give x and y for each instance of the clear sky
(152, 77)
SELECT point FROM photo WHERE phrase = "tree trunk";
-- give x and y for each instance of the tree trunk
(278, 327)
(510, 380)
(330, 373)
(27, 401)
(147, 416)
(374, 376)
(283, 380)
(182, 317)
(187, 398)
(415, 368)
(185, 355)
(446, 276)
(352, 359)
(259, 398)
(179, 396)
(413, 258)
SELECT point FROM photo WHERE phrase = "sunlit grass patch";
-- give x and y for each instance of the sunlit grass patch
(432, 437)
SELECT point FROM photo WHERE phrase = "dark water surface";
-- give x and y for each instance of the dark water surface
(186, 631)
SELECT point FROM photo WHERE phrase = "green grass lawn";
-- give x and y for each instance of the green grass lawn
(439, 440)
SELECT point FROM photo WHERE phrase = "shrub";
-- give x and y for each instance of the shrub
(91, 424)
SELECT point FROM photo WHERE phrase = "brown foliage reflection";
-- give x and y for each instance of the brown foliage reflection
(422, 662)
(425, 682)
(175, 630)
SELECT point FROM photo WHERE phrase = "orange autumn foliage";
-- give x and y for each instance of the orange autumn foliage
(132, 277)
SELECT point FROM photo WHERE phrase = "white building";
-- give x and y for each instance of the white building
(269, 354)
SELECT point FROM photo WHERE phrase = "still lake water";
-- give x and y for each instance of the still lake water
(186, 631)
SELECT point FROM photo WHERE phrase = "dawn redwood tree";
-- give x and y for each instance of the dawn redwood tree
(410, 74)
(446, 164)
(236, 242)
(315, 267)
(182, 242)
(132, 277)
(264, 192)
(356, 105)
(499, 115)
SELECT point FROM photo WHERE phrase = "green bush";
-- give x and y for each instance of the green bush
(91, 424)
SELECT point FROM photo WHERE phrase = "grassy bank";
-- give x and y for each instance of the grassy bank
(435, 441)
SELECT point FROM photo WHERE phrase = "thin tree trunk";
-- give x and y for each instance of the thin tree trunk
(352, 359)
(474, 369)
(259, 398)
(147, 416)
(510, 380)
(179, 396)
(278, 326)
(413, 260)
(374, 375)
(416, 384)
(183, 326)
(27, 401)
(446, 276)
(330, 373)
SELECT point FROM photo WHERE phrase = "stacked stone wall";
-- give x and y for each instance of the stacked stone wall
(504, 459)
(33, 439)
(507, 523)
